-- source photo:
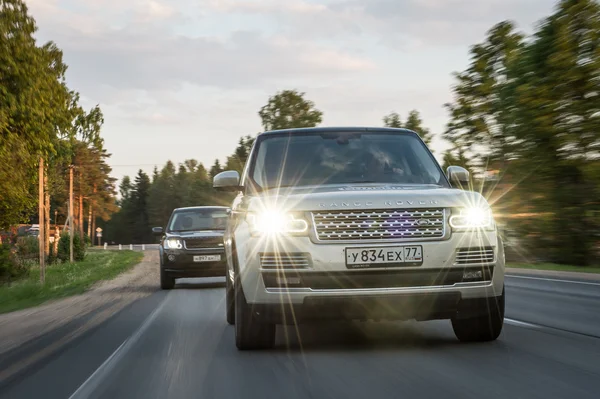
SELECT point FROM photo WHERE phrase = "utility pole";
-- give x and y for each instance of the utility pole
(46, 217)
(42, 215)
(71, 229)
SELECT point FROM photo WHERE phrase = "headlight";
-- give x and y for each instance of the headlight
(173, 243)
(472, 218)
(276, 222)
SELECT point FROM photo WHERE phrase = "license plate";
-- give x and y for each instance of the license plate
(207, 258)
(361, 258)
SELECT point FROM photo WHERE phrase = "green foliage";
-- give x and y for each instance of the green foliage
(63, 248)
(12, 267)
(392, 120)
(28, 248)
(66, 279)
(40, 117)
(52, 256)
(288, 109)
(530, 108)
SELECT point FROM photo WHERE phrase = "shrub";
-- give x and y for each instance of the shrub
(10, 268)
(63, 248)
(28, 248)
(52, 258)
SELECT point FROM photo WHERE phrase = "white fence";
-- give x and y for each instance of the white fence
(131, 247)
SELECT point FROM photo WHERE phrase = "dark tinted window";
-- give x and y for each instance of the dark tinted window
(300, 160)
(198, 219)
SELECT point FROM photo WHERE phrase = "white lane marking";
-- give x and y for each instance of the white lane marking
(86, 389)
(521, 323)
(553, 279)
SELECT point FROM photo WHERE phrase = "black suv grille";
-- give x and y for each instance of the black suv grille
(204, 242)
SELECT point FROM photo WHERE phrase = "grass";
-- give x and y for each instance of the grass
(66, 279)
(555, 267)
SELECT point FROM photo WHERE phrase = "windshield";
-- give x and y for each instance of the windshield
(198, 219)
(338, 158)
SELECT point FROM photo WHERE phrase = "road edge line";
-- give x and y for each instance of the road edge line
(89, 386)
(552, 279)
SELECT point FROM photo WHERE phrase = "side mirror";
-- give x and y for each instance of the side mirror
(227, 181)
(458, 176)
(157, 231)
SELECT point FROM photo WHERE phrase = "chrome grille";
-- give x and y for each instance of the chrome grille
(474, 255)
(291, 260)
(379, 224)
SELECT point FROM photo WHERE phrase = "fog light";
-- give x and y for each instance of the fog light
(472, 275)
(172, 258)
(288, 280)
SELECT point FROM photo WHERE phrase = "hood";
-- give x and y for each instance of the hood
(369, 196)
(196, 234)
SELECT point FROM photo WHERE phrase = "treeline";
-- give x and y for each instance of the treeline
(529, 106)
(42, 122)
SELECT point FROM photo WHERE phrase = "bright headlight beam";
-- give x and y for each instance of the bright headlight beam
(276, 222)
(471, 218)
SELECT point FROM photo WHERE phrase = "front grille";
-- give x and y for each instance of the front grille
(373, 279)
(291, 260)
(379, 224)
(204, 242)
(474, 255)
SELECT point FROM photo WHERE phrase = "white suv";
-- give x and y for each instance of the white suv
(359, 224)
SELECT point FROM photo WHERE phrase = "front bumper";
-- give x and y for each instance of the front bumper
(417, 306)
(180, 262)
(435, 278)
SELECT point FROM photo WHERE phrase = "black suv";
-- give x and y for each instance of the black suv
(192, 244)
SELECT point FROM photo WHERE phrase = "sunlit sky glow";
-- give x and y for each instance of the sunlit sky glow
(180, 79)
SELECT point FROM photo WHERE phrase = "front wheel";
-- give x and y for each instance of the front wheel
(166, 282)
(250, 333)
(482, 328)
(229, 301)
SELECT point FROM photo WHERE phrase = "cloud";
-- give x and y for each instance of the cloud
(396, 23)
(142, 55)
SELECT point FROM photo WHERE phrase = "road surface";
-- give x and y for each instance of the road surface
(177, 345)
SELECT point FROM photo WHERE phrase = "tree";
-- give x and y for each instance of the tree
(161, 197)
(478, 119)
(138, 211)
(414, 123)
(237, 160)
(215, 169)
(288, 109)
(392, 120)
(532, 106)
(36, 109)
(555, 120)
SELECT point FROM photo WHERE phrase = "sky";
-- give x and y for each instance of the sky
(181, 79)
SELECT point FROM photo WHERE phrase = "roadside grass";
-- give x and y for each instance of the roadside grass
(555, 267)
(66, 279)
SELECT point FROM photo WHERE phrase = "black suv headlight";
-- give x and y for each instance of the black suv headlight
(173, 243)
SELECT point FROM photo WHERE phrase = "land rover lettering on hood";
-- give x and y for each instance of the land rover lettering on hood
(357, 223)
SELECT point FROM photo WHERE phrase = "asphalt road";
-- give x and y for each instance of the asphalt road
(177, 345)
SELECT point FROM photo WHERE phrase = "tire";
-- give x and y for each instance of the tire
(250, 333)
(482, 328)
(229, 301)
(166, 282)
